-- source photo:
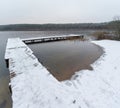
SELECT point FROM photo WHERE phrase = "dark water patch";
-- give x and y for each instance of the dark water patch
(5, 99)
(64, 58)
(3, 104)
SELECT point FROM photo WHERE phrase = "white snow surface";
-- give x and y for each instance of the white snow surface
(34, 87)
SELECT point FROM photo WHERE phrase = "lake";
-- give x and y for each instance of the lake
(5, 97)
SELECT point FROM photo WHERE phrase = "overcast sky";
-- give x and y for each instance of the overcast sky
(58, 11)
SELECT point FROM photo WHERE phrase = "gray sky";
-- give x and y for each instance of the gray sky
(57, 11)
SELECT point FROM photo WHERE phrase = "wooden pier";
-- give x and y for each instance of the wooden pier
(51, 39)
(33, 86)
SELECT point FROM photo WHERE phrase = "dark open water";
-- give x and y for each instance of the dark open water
(64, 58)
(5, 98)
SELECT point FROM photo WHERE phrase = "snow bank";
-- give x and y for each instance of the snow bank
(34, 87)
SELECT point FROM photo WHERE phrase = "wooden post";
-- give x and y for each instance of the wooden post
(7, 63)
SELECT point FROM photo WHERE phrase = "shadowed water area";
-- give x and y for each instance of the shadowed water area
(64, 58)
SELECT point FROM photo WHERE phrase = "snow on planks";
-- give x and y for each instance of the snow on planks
(34, 87)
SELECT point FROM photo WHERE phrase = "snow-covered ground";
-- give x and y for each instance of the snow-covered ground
(34, 87)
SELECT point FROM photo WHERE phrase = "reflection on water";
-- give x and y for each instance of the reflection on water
(64, 58)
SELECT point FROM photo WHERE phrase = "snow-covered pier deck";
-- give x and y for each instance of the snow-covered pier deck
(51, 38)
(34, 87)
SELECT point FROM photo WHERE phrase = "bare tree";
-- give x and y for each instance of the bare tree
(116, 25)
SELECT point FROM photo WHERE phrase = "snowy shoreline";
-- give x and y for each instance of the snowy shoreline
(34, 87)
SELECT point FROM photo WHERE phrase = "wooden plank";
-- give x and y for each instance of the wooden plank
(50, 39)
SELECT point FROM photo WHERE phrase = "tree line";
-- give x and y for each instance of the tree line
(37, 27)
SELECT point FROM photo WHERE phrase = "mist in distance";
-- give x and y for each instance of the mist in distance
(57, 11)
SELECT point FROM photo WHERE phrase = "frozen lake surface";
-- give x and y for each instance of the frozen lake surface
(5, 98)
(97, 88)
